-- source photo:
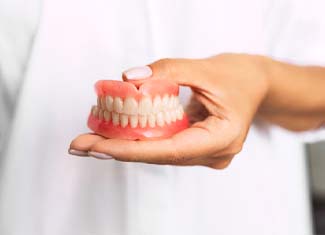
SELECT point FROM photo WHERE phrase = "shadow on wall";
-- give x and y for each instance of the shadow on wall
(316, 158)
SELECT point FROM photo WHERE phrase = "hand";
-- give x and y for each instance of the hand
(227, 91)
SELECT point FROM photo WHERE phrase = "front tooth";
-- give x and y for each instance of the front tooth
(124, 120)
(101, 114)
(151, 120)
(173, 115)
(145, 106)
(156, 105)
(130, 106)
(134, 121)
(115, 119)
(167, 117)
(143, 121)
(118, 105)
(109, 103)
(107, 116)
(94, 111)
(160, 119)
(165, 101)
(179, 113)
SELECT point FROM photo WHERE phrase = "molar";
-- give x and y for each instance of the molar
(94, 111)
(103, 102)
(171, 102)
(173, 115)
(179, 112)
(176, 102)
(107, 116)
(99, 102)
(167, 117)
(101, 114)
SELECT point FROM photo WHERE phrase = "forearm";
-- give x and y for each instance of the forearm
(296, 94)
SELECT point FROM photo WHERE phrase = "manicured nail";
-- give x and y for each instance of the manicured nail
(78, 153)
(138, 73)
(99, 155)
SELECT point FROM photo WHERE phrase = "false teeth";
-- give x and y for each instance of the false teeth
(146, 112)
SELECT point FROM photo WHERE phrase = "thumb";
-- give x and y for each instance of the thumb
(179, 71)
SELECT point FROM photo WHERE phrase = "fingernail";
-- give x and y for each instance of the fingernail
(99, 155)
(78, 153)
(138, 73)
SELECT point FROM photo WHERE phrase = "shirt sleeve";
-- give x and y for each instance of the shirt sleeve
(295, 32)
(18, 24)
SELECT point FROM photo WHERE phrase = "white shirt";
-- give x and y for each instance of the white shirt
(44, 191)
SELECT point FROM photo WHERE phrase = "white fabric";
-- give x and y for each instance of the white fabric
(18, 21)
(43, 191)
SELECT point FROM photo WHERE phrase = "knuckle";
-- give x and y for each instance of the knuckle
(168, 65)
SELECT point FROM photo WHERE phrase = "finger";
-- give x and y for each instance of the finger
(137, 75)
(202, 139)
(82, 144)
(220, 163)
(181, 71)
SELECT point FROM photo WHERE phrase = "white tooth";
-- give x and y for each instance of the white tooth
(118, 105)
(115, 119)
(107, 116)
(167, 117)
(165, 101)
(101, 114)
(103, 102)
(94, 111)
(130, 106)
(160, 119)
(109, 103)
(151, 120)
(156, 106)
(176, 102)
(179, 113)
(145, 106)
(99, 105)
(124, 119)
(142, 121)
(171, 102)
(173, 115)
(134, 121)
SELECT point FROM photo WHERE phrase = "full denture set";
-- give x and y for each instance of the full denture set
(151, 110)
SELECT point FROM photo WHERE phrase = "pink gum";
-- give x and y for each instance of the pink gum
(151, 87)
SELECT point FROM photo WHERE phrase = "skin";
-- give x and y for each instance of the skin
(229, 91)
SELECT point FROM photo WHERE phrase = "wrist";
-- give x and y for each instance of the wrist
(295, 97)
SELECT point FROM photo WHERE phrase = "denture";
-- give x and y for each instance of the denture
(137, 112)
